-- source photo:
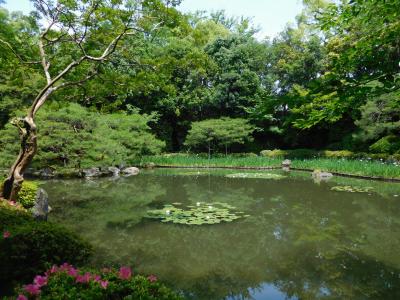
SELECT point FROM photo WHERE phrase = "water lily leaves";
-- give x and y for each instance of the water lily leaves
(352, 189)
(202, 213)
(256, 176)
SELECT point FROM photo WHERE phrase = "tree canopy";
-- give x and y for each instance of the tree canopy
(329, 81)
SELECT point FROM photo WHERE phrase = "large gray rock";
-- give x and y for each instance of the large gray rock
(100, 172)
(319, 175)
(287, 163)
(41, 209)
(92, 172)
(130, 171)
(114, 170)
(149, 165)
(46, 173)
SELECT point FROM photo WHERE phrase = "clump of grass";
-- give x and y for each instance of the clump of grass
(354, 167)
(217, 161)
(339, 165)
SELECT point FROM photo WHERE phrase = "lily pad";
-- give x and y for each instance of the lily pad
(256, 176)
(352, 189)
(202, 213)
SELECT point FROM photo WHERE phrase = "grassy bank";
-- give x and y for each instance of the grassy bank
(352, 167)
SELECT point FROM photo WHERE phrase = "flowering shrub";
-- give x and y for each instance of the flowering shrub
(27, 246)
(68, 282)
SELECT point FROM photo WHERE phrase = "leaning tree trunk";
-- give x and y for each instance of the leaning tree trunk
(13, 183)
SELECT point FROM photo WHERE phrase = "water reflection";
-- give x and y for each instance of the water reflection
(302, 241)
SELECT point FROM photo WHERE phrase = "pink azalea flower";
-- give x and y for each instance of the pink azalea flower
(32, 289)
(21, 297)
(104, 284)
(83, 278)
(65, 267)
(52, 270)
(12, 203)
(97, 278)
(152, 278)
(40, 280)
(6, 234)
(125, 273)
(72, 272)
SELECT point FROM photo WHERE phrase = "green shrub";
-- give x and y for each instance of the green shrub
(75, 137)
(388, 144)
(274, 153)
(27, 194)
(32, 245)
(292, 154)
(67, 282)
(219, 134)
(337, 154)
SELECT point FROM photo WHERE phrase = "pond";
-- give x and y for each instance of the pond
(295, 238)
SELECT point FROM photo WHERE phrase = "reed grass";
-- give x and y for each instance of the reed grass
(346, 166)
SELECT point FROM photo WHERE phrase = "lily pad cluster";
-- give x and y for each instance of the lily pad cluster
(352, 189)
(256, 175)
(199, 214)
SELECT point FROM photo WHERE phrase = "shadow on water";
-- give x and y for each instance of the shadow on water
(301, 241)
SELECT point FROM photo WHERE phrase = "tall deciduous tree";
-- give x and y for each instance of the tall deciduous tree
(220, 133)
(75, 37)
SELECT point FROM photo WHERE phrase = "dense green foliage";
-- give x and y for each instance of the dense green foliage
(72, 136)
(27, 194)
(29, 246)
(218, 134)
(331, 81)
(67, 282)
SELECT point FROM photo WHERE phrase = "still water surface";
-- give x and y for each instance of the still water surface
(301, 241)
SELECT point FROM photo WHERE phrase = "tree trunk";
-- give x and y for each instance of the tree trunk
(13, 183)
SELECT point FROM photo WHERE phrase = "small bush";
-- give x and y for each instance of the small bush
(67, 282)
(338, 154)
(27, 194)
(274, 153)
(27, 246)
(388, 144)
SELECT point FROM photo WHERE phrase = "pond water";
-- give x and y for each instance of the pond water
(301, 239)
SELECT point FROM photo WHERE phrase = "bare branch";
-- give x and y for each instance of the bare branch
(78, 82)
(110, 48)
(45, 63)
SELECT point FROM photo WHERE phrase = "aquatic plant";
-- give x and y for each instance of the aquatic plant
(352, 189)
(199, 214)
(191, 173)
(256, 175)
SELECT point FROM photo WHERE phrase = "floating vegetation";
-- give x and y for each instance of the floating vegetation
(352, 189)
(256, 175)
(192, 173)
(199, 214)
